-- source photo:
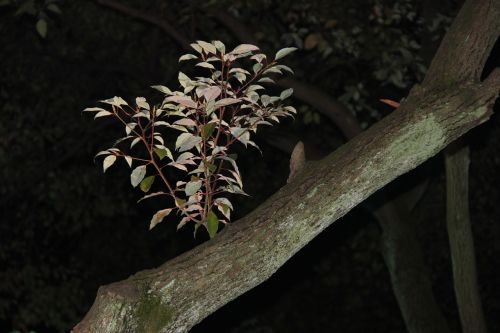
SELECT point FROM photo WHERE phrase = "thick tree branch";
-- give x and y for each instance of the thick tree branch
(190, 287)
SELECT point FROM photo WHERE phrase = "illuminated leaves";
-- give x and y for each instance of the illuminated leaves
(190, 133)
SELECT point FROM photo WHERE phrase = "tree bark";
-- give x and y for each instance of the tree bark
(461, 239)
(180, 293)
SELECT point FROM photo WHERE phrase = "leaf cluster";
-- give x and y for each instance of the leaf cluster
(193, 129)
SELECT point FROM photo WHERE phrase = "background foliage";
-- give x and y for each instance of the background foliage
(66, 229)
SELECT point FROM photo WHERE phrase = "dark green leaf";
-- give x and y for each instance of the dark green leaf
(207, 130)
(212, 224)
(41, 27)
(146, 183)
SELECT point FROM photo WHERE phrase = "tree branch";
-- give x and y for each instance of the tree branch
(190, 287)
(461, 239)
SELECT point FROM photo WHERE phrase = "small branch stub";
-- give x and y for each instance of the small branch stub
(297, 161)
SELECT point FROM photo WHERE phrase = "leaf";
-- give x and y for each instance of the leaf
(284, 52)
(257, 67)
(93, 109)
(244, 48)
(184, 80)
(41, 27)
(188, 56)
(207, 130)
(286, 93)
(241, 134)
(155, 194)
(219, 46)
(162, 89)
(162, 152)
(207, 47)
(130, 127)
(158, 217)
(137, 175)
(141, 102)
(224, 201)
(226, 101)
(212, 224)
(205, 65)
(108, 161)
(116, 101)
(128, 159)
(182, 100)
(196, 47)
(146, 183)
(266, 80)
(185, 122)
(186, 141)
(192, 187)
(134, 142)
(102, 114)
(224, 209)
(211, 93)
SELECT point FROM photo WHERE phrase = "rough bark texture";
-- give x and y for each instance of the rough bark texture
(179, 294)
(461, 239)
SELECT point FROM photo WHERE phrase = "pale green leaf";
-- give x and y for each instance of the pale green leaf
(205, 65)
(266, 80)
(93, 110)
(219, 46)
(158, 217)
(141, 102)
(207, 47)
(155, 194)
(108, 161)
(244, 48)
(211, 93)
(257, 67)
(134, 142)
(182, 100)
(196, 47)
(128, 159)
(187, 57)
(102, 114)
(185, 122)
(162, 89)
(137, 175)
(116, 101)
(286, 93)
(226, 101)
(186, 141)
(284, 52)
(192, 187)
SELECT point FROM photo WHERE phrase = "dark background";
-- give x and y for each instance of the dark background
(66, 228)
